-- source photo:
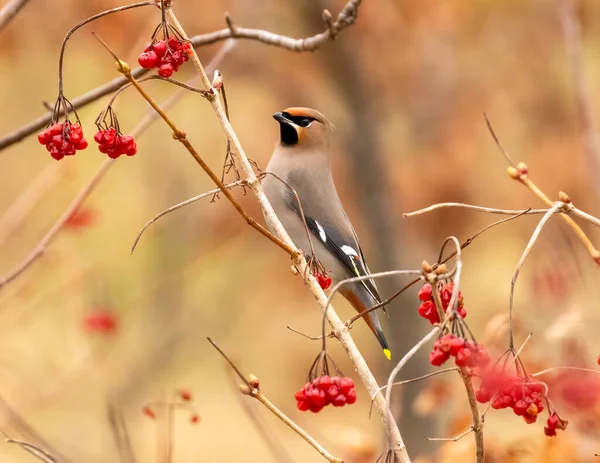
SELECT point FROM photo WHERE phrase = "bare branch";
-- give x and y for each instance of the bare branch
(179, 206)
(452, 439)
(552, 369)
(520, 172)
(490, 210)
(555, 208)
(346, 17)
(477, 427)
(251, 388)
(34, 450)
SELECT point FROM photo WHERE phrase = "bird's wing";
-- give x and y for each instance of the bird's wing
(342, 242)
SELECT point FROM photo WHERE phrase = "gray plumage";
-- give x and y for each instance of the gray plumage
(302, 159)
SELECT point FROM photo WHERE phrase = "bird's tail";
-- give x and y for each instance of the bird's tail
(361, 300)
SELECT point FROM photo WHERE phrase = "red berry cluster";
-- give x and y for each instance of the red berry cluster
(523, 394)
(166, 55)
(427, 308)
(63, 139)
(113, 143)
(325, 390)
(554, 422)
(323, 279)
(466, 353)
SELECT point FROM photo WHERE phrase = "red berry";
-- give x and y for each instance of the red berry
(174, 42)
(456, 344)
(482, 395)
(333, 392)
(166, 70)
(148, 60)
(346, 384)
(550, 432)
(160, 48)
(351, 396)
(463, 357)
(425, 292)
(339, 401)
(438, 357)
(323, 382)
(323, 280)
(302, 405)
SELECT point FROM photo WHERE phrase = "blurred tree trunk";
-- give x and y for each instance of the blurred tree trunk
(366, 167)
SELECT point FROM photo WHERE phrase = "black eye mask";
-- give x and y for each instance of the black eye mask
(302, 121)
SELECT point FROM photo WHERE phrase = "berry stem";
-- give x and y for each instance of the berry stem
(83, 23)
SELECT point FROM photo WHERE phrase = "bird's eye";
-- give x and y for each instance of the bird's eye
(305, 122)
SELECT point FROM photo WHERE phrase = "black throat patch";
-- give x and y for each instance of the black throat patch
(289, 136)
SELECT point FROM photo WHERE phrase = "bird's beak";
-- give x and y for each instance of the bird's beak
(279, 117)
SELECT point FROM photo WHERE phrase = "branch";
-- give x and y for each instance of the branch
(477, 420)
(34, 450)
(41, 247)
(520, 172)
(555, 208)
(346, 17)
(179, 206)
(10, 10)
(490, 210)
(251, 387)
(340, 330)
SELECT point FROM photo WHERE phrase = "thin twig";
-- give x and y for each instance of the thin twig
(452, 439)
(555, 208)
(10, 10)
(278, 450)
(471, 207)
(521, 173)
(400, 365)
(497, 141)
(179, 206)
(33, 450)
(249, 389)
(550, 370)
(413, 380)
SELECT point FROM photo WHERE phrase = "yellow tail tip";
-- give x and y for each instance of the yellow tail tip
(387, 353)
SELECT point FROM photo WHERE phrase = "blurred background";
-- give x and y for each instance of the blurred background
(90, 335)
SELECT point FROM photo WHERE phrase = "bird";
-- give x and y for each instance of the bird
(301, 163)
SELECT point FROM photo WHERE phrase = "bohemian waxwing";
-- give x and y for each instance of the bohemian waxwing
(302, 159)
